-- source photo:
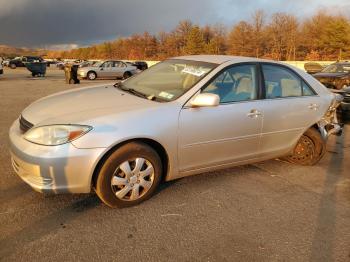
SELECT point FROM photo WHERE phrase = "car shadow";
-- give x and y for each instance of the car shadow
(11, 193)
(324, 235)
(46, 225)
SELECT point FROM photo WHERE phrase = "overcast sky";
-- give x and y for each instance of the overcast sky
(66, 23)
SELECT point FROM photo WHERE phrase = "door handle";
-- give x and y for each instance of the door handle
(313, 106)
(254, 113)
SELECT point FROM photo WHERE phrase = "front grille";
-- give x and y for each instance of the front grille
(24, 125)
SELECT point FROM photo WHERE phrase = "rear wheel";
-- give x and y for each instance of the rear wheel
(129, 176)
(309, 150)
(126, 75)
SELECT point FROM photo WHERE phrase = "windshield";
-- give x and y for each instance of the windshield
(337, 68)
(98, 64)
(170, 79)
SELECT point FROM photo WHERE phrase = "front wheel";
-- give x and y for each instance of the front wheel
(129, 175)
(309, 150)
(12, 66)
(91, 75)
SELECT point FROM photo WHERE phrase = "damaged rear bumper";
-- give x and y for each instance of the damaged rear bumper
(329, 124)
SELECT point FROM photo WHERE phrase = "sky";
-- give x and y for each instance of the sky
(63, 24)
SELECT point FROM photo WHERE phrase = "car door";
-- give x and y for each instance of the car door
(105, 70)
(120, 68)
(291, 106)
(225, 134)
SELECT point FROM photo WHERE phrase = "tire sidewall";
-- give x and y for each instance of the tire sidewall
(124, 153)
(126, 75)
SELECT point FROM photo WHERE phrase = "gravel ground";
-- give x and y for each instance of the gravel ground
(270, 211)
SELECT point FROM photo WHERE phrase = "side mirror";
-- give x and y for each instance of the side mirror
(205, 100)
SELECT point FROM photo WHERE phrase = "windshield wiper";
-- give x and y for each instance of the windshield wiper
(130, 90)
(152, 97)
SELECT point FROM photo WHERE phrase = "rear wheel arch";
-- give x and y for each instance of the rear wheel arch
(317, 147)
(159, 148)
(316, 127)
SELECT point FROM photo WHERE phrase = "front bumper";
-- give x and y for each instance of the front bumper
(52, 169)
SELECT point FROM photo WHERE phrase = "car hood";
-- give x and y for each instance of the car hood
(329, 75)
(81, 105)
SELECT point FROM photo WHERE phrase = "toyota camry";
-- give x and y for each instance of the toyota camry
(183, 116)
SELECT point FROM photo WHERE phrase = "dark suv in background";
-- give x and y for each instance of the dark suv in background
(337, 77)
(19, 61)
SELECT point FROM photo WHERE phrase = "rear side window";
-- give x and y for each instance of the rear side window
(119, 64)
(281, 82)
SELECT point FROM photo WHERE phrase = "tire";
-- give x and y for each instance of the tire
(71, 81)
(13, 66)
(126, 75)
(114, 187)
(91, 75)
(309, 150)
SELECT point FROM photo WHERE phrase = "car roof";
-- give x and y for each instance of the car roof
(220, 59)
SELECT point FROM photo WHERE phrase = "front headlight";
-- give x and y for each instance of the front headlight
(54, 135)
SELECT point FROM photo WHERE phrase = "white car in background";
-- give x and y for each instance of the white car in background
(107, 69)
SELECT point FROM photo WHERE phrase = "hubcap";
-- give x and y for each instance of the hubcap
(92, 76)
(132, 179)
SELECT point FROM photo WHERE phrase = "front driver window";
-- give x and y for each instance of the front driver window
(108, 64)
(235, 84)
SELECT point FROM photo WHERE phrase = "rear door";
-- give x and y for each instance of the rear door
(120, 68)
(291, 106)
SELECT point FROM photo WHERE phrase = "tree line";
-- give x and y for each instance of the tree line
(280, 36)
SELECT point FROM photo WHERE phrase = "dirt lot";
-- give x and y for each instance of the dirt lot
(271, 211)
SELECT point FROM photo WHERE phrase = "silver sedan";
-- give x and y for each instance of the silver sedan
(181, 117)
(107, 69)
